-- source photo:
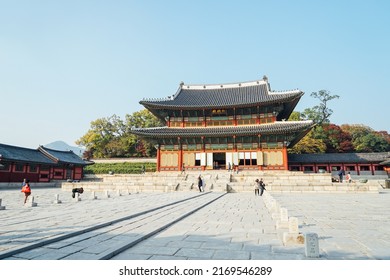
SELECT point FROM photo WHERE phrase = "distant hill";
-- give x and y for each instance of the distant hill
(62, 146)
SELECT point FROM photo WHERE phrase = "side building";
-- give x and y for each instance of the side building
(242, 125)
(39, 165)
(361, 164)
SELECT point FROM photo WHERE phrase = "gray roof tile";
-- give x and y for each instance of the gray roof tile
(21, 154)
(338, 158)
(218, 131)
(63, 156)
(41, 155)
(214, 96)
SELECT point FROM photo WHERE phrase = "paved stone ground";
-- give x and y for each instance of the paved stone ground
(349, 226)
(237, 226)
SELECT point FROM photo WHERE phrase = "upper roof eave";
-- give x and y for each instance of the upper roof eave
(273, 98)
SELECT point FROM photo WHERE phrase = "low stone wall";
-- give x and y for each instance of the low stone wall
(56, 184)
(120, 160)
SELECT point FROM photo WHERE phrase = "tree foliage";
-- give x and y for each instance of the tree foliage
(111, 137)
(309, 145)
(331, 138)
(120, 168)
(335, 139)
(365, 139)
(320, 113)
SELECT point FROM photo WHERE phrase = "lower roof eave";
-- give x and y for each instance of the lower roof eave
(278, 128)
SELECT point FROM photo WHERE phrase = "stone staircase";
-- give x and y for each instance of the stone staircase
(286, 181)
(222, 181)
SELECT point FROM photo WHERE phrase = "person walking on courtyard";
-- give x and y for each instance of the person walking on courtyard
(257, 187)
(183, 169)
(262, 187)
(341, 174)
(26, 189)
(200, 184)
(229, 167)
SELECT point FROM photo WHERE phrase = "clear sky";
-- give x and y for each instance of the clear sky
(66, 63)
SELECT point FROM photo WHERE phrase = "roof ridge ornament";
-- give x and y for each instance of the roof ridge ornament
(265, 79)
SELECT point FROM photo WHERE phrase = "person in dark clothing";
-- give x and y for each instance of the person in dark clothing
(183, 169)
(262, 186)
(77, 190)
(341, 174)
(200, 183)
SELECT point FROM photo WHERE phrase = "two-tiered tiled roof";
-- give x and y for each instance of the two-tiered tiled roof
(225, 96)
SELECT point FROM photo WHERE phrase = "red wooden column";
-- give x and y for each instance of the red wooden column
(260, 167)
(168, 120)
(285, 159)
(203, 167)
(158, 158)
(180, 154)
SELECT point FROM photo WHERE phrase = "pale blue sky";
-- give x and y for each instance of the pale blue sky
(66, 63)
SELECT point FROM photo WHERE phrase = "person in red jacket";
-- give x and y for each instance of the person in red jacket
(26, 189)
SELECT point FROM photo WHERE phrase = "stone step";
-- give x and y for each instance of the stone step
(224, 181)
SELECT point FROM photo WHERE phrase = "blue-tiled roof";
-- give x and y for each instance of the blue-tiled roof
(63, 156)
(21, 154)
(41, 155)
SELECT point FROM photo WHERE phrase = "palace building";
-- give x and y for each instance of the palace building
(39, 165)
(242, 125)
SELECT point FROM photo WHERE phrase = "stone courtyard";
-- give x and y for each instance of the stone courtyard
(232, 226)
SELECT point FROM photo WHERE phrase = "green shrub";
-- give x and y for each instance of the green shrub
(119, 168)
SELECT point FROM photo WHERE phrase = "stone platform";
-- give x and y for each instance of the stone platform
(224, 181)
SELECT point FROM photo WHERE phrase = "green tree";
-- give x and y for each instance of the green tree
(365, 139)
(320, 114)
(295, 116)
(103, 131)
(141, 147)
(317, 140)
(112, 137)
(142, 118)
(309, 145)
